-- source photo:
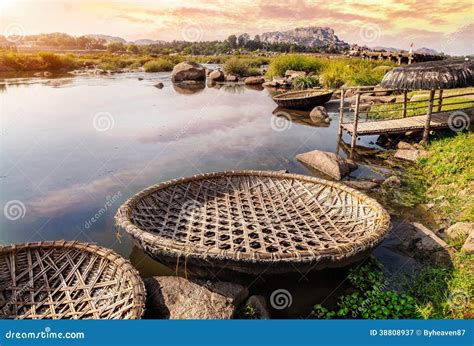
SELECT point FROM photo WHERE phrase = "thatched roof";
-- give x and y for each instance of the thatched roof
(443, 74)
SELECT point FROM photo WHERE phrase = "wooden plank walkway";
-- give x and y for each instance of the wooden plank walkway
(438, 121)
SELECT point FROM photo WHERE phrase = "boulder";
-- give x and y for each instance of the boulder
(421, 243)
(260, 306)
(459, 230)
(328, 163)
(468, 246)
(216, 76)
(392, 181)
(405, 146)
(172, 297)
(409, 154)
(378, 99)
(254, 80)
(231, 77)
(293, 74)
(188, 70)
(318, 114)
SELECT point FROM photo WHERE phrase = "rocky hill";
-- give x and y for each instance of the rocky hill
(311, 36)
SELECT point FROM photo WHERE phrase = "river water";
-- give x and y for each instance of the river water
(74, 148)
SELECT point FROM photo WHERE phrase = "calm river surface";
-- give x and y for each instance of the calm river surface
(73, 149)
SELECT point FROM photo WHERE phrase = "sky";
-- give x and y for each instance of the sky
(446, 26)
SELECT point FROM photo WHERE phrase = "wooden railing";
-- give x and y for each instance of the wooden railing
(436, 103)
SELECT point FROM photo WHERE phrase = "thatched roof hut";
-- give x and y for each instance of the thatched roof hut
(444, 74)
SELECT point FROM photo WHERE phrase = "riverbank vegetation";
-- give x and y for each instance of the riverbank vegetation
(333, 73)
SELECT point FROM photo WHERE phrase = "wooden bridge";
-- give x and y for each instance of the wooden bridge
(439, 120)
(456, 119)
(401, 57)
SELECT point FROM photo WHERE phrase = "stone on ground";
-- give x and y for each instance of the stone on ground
(459, 230)
(468, 246)
(409, 154)
(260, 306)
(328, 163)
(172, 297)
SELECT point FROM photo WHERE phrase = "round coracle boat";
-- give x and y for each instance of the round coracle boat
(304, 99)
(68, 280)
(253, 222)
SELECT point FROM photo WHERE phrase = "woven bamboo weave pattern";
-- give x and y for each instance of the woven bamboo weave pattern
(254, 216)
(67, 280)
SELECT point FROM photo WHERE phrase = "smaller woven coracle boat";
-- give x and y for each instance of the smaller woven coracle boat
(68, 280)
(304, 100)
(253, 223)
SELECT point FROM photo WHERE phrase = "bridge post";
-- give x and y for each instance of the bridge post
(426, 133)
(341, 118)
(356, 121)
(405, 96)
(440, 100)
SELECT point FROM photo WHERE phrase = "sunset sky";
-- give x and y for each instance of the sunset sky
(443, 25)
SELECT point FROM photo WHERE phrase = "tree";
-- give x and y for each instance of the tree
(133, 48)
(115, 47)
(232, 39)
(243, 39)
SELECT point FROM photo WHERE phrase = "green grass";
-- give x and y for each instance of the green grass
(393, 111)
(295, 62)
(305, 82)
(442, 292)
(445, 177)
(333, 73)
(158, 65)
(243, 66)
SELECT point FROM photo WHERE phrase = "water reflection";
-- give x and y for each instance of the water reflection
(188, 88)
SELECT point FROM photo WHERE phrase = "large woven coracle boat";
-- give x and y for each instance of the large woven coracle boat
(68, 280)
(304, 100)
(253, 222)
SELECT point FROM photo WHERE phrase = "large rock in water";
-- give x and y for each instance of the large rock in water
(254, 80)
(329, 163)
(216, 76)
(173, 297)
(188, 70)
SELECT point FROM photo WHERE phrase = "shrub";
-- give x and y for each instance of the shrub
(305, 82)
(282, 63)
(57, 62)
(372, 300)
(243, 67)
(109, 66)
(158, 65)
